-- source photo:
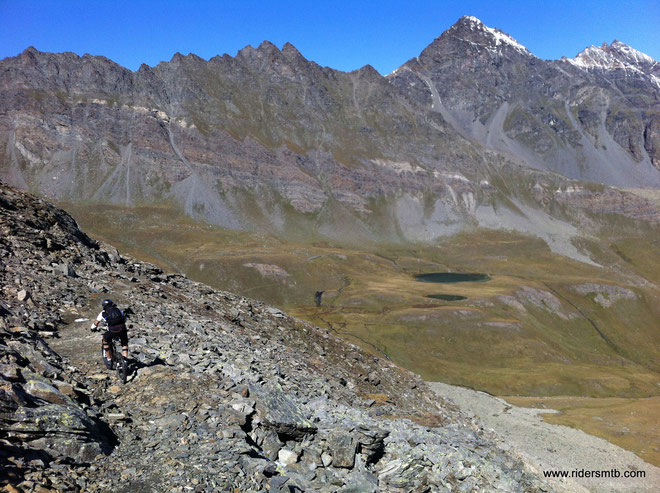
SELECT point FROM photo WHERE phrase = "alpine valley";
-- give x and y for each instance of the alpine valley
(270, 176)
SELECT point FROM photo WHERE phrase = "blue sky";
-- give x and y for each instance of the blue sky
(341, 34)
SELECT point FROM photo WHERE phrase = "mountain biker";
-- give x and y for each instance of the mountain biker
(116, 321)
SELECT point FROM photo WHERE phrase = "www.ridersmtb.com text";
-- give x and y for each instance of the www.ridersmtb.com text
(585, 473)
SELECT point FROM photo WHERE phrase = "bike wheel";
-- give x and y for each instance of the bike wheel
(122, 365)
(122, 369)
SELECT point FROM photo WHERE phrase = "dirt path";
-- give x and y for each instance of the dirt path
(547, 447)
(82, 348)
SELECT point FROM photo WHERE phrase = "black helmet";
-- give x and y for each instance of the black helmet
(106, 304)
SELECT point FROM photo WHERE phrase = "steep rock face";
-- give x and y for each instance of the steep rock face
(587, 118)
(637, 76)
(267, 125)
(225, 393)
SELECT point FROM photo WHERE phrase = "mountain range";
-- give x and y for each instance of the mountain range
(474, 132)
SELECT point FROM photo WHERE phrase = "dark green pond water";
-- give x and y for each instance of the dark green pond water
(449, 277)
(446, 297)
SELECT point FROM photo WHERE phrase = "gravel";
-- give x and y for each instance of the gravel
(546, 447)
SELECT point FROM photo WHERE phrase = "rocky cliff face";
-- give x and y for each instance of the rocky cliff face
(270, 141)
(226, 393)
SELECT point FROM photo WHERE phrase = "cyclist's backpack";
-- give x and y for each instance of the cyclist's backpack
(114, 316)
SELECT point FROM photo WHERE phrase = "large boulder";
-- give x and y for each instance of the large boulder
(64, 431)
(342, 446)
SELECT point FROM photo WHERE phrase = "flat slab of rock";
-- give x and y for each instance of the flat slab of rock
(44, 391)
(277, 411)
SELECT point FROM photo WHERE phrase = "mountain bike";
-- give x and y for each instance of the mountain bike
(118, 362)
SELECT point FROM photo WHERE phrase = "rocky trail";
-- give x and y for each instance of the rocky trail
(227, 394)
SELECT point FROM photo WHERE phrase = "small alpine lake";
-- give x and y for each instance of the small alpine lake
(447, 297)
(452, 277)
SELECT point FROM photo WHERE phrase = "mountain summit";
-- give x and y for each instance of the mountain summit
(549, 115)
(617, 56)
(472, 30)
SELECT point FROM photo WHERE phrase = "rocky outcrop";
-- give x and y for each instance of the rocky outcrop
(225, 393)
(47, 421)
(605, 295)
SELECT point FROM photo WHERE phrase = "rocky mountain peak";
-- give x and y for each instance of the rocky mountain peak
(265, 50)
(29, 56)
(290, 51)
(471, 30)
(30, 51)
(179, 58)
(614, 56)
(268, 47)
(368, 72)
(176, 58)
(467, 40)
(246, 52)
(66, 71)
(287, 63)
(632, 56)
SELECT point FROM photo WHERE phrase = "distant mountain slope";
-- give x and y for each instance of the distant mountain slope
(595, 117)
(270, 141)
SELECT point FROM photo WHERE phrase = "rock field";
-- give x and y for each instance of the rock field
(225, 393)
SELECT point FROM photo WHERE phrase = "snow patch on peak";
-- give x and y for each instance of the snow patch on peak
(473, 19)
(617, 56)
(503, 38)
(632, 54)
(500, 38)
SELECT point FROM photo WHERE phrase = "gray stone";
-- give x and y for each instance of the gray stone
(360, 482)
(342, 446)
(277, 483)
(287, 457)
(42, 390)
(271, 444)
(275, 312)
(66, 269)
